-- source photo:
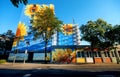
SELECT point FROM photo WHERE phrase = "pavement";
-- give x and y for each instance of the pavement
(59, 70)
(62, 66)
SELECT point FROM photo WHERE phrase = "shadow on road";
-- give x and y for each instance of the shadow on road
(55, 73)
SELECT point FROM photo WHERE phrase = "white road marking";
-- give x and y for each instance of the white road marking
(36, 69)
(27, 75)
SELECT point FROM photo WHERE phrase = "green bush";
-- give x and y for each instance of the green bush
(2, 61)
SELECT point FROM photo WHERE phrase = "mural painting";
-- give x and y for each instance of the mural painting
(67, 55)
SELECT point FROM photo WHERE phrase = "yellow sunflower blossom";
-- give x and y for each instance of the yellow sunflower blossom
(21, 30)
(67, 29)
(31, 9)
(20, 33)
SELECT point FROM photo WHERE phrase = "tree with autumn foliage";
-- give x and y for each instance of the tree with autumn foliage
(44, 23)
(17, 2)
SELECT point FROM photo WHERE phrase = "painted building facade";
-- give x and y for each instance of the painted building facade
(64, 47)
(83, 54)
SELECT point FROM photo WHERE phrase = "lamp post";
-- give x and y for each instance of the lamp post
(15, 52)
(116, 52)
(16, 49)
(27, 43)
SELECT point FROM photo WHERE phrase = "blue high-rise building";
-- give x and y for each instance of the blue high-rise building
(69, 36)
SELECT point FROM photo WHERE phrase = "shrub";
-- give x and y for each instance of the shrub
(2, 61)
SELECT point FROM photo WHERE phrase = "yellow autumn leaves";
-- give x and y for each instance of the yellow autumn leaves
(31, 9)
(20, 33)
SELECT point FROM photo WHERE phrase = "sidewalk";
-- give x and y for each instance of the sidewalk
(38, 65)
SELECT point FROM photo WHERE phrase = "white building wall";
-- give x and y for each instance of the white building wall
(54, 39)
(76, 35)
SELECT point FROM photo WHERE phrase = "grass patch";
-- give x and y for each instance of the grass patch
(2, 61)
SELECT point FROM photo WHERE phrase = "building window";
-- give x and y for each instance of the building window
(107, 54)
(91, 55)
(80, 54)
(99, 54)
(83, 55)
(88, 54)
(95, 54)
(113, 55)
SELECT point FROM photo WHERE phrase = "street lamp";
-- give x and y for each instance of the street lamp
(27, 43)
(116, 52)
(15, 52)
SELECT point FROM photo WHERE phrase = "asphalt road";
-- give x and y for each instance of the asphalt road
(59, 70)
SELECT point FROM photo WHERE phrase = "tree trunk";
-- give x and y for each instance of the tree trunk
(46, 41)
(45, 52)
(4, 50)
(92, 48)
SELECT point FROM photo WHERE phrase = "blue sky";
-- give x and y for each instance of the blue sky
(81, 10)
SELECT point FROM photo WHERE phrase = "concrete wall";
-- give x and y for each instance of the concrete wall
(89, 60)
(81, 60)
(113, 59)
(98, 60)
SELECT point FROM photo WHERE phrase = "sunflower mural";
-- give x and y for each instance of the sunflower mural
(67, 29)
(20, 33)
(64, 55)
(31, 9)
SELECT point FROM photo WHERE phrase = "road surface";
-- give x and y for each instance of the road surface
(59, 70)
